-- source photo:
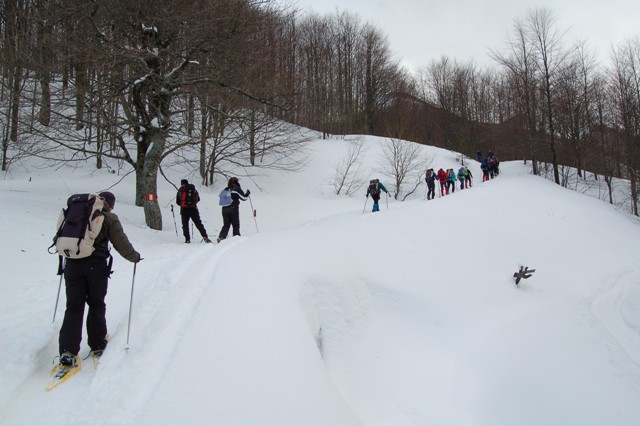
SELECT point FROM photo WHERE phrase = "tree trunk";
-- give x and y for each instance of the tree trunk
(252, 138)
(190, 115)
(5, 150)
(15, 104)
(45, 103)
(152, 214)
(81, 87)
(203, 140)
(634, 191)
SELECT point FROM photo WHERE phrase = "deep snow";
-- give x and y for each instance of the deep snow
(332, 316)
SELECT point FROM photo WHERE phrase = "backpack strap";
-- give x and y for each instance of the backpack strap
(110, 264)
(55, 237)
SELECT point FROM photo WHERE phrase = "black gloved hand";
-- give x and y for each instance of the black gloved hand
(247, 192)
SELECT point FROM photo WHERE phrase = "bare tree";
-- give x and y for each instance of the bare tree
(626, 87)
(546, 43)
(138, 62)
(403, 163)
(519, 63)
(347, 172)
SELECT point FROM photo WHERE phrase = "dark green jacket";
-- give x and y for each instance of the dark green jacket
(112, 232)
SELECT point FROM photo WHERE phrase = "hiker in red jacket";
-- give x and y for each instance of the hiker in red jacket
(442, 177)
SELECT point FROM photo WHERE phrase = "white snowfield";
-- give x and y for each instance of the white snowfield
(332, 316)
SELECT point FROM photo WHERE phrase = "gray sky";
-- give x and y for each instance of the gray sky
(422, 30)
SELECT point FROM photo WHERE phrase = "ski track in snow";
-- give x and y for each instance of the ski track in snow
(162, 313)
(173, 303)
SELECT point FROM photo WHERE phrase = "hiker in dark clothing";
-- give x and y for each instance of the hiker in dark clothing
(492, 164)
(430, 178)
(375, 186)
(231, 213)
(86, 282)
(485, 170)
(187, 198)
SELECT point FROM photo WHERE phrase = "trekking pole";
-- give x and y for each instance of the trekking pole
(174, 220)
(387, 200)
(126, 348)
(365, 204)
(55, 309)
(254, 214)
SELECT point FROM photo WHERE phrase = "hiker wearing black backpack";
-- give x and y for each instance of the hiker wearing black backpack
(86, 280)
(230, 198)
(430, 178)
(187, 198)
(375, 186)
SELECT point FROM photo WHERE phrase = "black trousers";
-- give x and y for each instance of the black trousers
(85, 282)
(230, 218)
(431, 193)
(191, 213)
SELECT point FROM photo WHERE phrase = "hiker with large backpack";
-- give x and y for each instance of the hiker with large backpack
(442, 177)
(230, 198)
(187, 198)
(485, 170)
(85, 230)
(374, 189)
(451, 181)
(467, 178)
(462, 175)
(430, 178)
(492, 164)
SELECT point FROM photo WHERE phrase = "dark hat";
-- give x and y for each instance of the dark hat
(184, 182)
(109, 198)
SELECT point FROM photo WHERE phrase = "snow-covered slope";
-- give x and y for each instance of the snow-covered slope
(332, 316)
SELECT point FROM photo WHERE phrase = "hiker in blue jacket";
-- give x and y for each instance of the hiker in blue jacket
(451, 181)
(375, 186)
(485, 170)
(231, 213)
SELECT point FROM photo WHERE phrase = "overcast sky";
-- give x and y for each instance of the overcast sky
(421, 30)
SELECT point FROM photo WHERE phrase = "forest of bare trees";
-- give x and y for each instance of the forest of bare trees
(142, 83)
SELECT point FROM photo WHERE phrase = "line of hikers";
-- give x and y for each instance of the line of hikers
(490, 165)
(187, 198)
(447, 180)
(86, 276)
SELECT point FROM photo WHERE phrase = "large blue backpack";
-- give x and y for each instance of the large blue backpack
(225, 197)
